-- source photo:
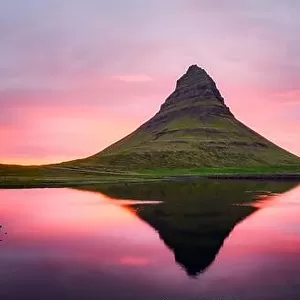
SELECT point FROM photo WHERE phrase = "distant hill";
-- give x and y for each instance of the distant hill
(193, 129)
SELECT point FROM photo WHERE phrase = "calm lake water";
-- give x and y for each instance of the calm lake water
(208, 240)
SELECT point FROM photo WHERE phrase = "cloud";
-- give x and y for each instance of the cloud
(133, 78)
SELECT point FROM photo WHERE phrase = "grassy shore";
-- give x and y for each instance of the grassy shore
(58, 176)
(211, 171)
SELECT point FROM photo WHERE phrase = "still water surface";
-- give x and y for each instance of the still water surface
(192, 241)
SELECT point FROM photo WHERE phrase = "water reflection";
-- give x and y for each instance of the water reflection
(195, 218)
(71, 244)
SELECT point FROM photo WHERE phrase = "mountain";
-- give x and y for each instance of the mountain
(193, 128)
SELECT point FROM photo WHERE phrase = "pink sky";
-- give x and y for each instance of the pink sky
(77, 76)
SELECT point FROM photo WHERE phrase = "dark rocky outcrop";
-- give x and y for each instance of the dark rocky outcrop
(195, 83)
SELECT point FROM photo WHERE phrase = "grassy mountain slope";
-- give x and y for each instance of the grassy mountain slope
(193, 129)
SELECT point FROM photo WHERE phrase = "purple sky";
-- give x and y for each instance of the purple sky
(76, 76)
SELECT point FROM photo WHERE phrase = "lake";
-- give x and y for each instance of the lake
(202, 240)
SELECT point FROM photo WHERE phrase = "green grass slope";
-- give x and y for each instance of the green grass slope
(194, 133)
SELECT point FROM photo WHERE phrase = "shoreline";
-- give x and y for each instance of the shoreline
(16, 182)
(250, 176)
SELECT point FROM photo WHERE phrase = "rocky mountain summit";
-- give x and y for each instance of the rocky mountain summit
(193, 128)
(195, 83)
(192, 96)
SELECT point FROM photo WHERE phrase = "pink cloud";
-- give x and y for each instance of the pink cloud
(133, 78)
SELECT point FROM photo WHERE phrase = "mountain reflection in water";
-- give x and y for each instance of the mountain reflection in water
(194, 218)
(100, 244)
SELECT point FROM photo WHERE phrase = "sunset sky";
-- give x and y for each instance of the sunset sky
(77, 75)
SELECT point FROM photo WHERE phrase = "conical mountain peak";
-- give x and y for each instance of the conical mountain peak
(195, 72)
(193, 128)
(195, 83)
